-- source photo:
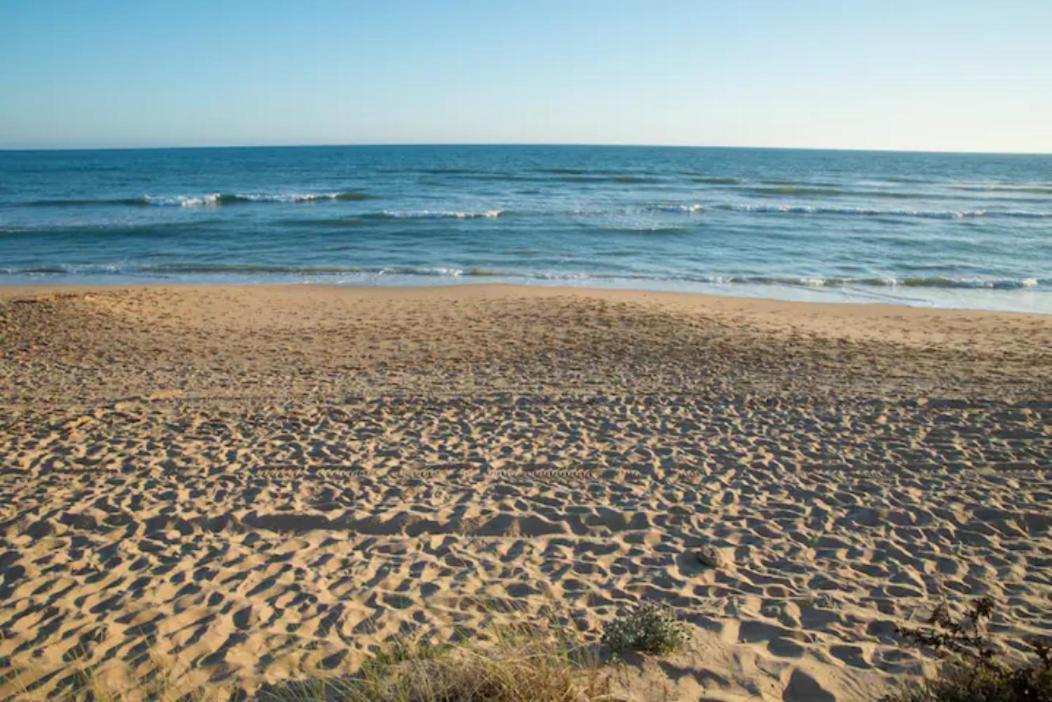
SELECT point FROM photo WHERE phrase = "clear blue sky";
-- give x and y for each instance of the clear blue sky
(889, 74)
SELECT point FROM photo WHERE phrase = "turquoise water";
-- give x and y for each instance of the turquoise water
(965, 230)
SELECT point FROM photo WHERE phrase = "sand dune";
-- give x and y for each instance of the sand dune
(247, 482)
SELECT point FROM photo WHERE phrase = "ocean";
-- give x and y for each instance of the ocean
(950, 230)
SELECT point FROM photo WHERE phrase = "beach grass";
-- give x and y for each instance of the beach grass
(517, 662)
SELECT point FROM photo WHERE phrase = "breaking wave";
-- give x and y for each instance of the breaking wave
(852, 211)
(998, 188)
(208, 200)
(249, 269)
(434, 214)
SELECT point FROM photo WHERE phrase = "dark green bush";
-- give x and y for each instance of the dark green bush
(650, 628)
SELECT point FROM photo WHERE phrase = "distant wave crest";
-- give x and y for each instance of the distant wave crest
(207, 200)
(694, 208)
(218, 199)
(685, 209)
(435, 214)
(1031, 189)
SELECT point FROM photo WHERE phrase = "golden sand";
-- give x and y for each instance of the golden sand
(248, 481)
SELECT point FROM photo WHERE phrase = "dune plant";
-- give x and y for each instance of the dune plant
(972, 669)
(520, 664)
(531, 661)
(649, 628)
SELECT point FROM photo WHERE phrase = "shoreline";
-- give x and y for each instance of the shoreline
(525, 289)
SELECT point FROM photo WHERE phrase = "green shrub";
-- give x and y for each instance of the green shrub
(650, 628)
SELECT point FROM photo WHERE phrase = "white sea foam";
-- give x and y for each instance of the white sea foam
(805, 281)
(440, 214)
(876, 212)
(689, 209)
(219, 199)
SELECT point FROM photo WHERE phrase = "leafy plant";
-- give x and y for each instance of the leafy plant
(650, 628)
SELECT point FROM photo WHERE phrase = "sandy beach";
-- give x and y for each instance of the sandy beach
(248, 482)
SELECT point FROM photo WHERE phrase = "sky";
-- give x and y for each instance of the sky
(945, 75)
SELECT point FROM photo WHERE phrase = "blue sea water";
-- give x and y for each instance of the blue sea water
(963, 230)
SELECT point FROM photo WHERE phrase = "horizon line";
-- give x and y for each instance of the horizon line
(517, 144)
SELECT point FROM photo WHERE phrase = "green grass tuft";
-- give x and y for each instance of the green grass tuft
(523, 664)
